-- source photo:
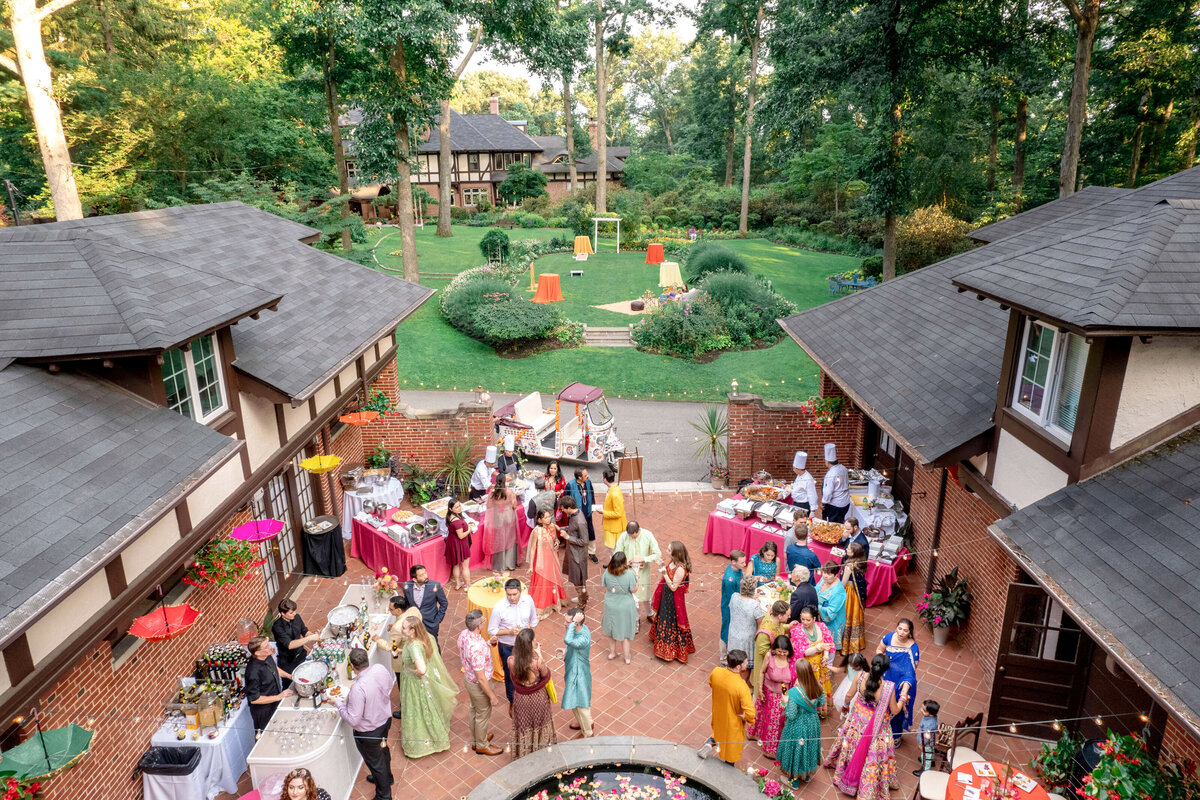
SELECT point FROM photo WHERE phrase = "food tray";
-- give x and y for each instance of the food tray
(437, 507)
(760, 492)
(746, 508)
(826, 532)
(403, 516)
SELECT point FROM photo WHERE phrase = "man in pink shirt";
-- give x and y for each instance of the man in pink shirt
(368, 710)
(476, 659)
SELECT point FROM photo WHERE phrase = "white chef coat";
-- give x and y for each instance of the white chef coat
(804, 491)
(481, 479)
(835, 489)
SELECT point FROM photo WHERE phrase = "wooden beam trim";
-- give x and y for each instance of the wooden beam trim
(1151, 438)
(281, 425)
(183, 518)
(18, 662)
(1108, 398)
(114, 571)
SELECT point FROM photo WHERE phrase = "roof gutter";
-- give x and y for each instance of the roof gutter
(1100, 634)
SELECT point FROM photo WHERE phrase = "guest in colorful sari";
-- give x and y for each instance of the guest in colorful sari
(812, 641)
(904, 654)
(670, 633)
(545, 573)
(854, 580)
(427, 694)
(555, 480)
(773, 625)
(764, 564)
(731, 583)
(799, 752)
(832, 600)
(778, 675)
(500, 528)
(532, 713)
(863, 755)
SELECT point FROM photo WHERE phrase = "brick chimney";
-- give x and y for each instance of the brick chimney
(494, 104)
(591, 128)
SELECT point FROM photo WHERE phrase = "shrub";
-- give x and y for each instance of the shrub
(714, 258)
(483, 205)
(482, 220)
(556, 222)
(730, 221)
(749, 306)
(506, 321)
(687, 330)
(459, 214)
(872, 267)
(533, 221)
(928, 235)
(459, 303)
(494, 243)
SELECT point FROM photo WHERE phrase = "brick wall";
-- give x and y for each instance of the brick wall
(126, 704)
(765, 435)
(1178, 744)
(965, 543)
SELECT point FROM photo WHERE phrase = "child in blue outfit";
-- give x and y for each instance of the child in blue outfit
(927, 732)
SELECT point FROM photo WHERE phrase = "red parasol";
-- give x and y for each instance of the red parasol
(164, 622)
(359, 417)
(257, 530)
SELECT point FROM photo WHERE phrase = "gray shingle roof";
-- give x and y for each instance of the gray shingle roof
(82, 459)
(1047, 212)
(1139, 272)
(552, 146)
(922, 358)
(1128, 539)
(330, 309)
(480, 133)
(77, 291)
(588, 164)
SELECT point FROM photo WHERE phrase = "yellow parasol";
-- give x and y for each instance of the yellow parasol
(319, 465)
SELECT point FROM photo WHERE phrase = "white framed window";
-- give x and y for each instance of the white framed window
(351, 171)
(192, 378)
(471, 196)
(1049, 378)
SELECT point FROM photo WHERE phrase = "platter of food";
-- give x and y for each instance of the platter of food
(826, 532)
(437, 507)
(760, 491)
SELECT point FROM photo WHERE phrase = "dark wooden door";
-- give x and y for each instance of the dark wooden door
(1042, 668)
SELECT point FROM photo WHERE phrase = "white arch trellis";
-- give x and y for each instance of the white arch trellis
(596, 231)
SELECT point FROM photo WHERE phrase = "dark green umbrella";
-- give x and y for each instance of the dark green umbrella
(44, 755)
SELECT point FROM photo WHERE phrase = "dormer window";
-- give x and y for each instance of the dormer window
(1050, 378)
(192, 378)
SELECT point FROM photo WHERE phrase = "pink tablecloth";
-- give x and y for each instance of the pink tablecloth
(723, 535)
(377, 549)
(480, 561)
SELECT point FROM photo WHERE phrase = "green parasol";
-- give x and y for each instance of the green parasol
(44, 755)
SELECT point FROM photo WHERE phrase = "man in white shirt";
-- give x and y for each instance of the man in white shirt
(481, 479)
(835, 489)
(514, 612)
(804, 488)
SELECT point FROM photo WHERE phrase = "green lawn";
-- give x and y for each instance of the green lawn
(435, 356)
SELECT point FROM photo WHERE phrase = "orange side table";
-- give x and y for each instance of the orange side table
(548, 290)
(654, 253)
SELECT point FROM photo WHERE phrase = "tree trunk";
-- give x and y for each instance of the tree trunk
(601, 116)
(1018, 178)
(993, 146)
(445, 156)
(744, 215)
(569, 116)
(1160, 133)
(730, 140)
(1135, 155)
(404, 202)
(1189, 152)
(106, 28)
(339, 150)
(662, 115)
(1086, 18)
(47, 118)
(889, 245)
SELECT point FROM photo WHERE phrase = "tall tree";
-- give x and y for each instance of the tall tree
(655, 73)
(32, 68)
(1087, 20)
(445, 157)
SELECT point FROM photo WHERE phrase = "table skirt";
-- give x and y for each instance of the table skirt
(222, 760)
(377, 550)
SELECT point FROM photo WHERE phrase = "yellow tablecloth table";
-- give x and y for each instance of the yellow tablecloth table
(668, 274)
(583, 246)
(482, 598)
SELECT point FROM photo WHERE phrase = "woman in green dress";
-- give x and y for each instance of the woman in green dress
(619, 622)
(427, 694)
(799, 752)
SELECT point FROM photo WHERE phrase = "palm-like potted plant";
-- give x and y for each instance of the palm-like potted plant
(947, 606)
(713, 428)
(457, 469)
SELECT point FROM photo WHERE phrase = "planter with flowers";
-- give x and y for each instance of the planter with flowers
(223, 562)
(769, 786)
(1128, 770)
(946, 608)
(386, 584)
(719, 475)
(18, 788)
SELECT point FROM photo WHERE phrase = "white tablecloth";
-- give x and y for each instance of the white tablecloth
(391, 492)
(223, 759)
(883, 518)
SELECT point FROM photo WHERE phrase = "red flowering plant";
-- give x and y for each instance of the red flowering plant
(17, 789)
(1127, 771)
(769, 786)
(222, 562)
(825, 411)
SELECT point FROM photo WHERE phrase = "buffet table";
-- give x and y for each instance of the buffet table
(223, 759)
(725, 534)
(378, 550)
(885, 519)
(391, 492)
(379, 621)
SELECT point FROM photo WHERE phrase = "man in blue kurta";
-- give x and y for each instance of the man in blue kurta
(731, 583)
(577, 688)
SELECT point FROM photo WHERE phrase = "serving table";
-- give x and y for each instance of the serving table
(668, 274)
(390, 492)
(725, 534)
(223, 759)
(885, 519)
(378, 550)
(956, 789)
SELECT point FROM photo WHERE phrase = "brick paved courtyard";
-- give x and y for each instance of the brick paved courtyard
(664, 701)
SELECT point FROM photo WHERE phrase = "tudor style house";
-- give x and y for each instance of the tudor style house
(1039, 398)
(162, 374)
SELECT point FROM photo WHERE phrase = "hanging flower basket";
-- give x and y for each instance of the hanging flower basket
(824, 411)
(222, 563)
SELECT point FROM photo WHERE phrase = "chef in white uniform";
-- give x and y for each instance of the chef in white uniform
(835, 489)
(804, 488)
(507, 463)
(481, 479)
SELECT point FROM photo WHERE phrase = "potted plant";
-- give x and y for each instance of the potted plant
(457, 469)
(947, 605)
(1055, 763)
(713, 428)
(1127, 769)
(719, 476)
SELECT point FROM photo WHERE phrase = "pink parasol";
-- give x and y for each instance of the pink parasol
(257, 530)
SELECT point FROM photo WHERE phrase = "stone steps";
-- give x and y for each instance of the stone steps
(607, 337)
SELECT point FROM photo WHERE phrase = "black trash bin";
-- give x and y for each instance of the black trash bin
(169, 760)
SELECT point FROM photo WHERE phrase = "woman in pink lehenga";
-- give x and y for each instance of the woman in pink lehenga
(778, 676)
(863, 755)
(500, 528)
(545, 570)
(812, 640)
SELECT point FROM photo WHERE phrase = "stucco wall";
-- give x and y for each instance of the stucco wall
(1162, 380)
(1022, 476)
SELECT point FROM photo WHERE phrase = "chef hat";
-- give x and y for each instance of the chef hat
(800, 460)
(830, 452)
(490, 456)
(509, 442)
